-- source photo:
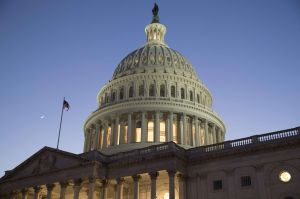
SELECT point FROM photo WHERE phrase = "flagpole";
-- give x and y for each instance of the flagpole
(61, 117)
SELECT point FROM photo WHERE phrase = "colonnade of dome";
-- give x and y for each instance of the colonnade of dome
(154, 96)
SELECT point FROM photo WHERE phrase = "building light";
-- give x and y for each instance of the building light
(166, 195)
(285, 176)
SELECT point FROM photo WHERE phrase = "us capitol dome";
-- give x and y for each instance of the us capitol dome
(154, 96)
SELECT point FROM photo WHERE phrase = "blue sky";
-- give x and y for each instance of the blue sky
(246, 52)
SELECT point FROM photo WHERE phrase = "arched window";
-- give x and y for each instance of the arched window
(141, 90)
(130, 91)
(121, 93)
(106, 98)
(113, 96)
(151, 90)
(198, 98)
(191, 96)
(173, 92)
(162, 90)
(182, 93)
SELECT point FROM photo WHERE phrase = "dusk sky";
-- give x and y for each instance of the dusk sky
(246, 52)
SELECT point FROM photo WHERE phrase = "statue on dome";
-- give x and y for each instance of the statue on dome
(155, 18)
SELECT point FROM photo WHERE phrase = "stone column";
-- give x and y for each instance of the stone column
(129, 128)
(144, 128)
(156, 127)
(49, 190)
(105, 131)
(153, 177)
(171, 174)
(120, 184)
(206, 140)
(201, 129)
(104, 189)
(63, 188)
(85, 142)
(13, 195)
(197, 132)
(37, 190)
(24, 193)
(170, 132)
(214, 134)
(231, 186)
(184, 130)
(261, 190)
(112, 131)
(122, 138)
(180, 130)
(218, 135)
(92, 181)
(136, 186)
(182, 186)
(76, 188)
(116, 131)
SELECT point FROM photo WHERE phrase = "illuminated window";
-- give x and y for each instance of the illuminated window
(141, 90)
(285, 176)
(150, 131)
(162, 127)
(138, 131)
(118, 135)
(108, 138)
(175, 137)
(101, 138)
(193, 135)
(113, 96)
(173, 91)
(125, 134)
(151, 90)
(202, 136)
(162, 90)
(182, 93)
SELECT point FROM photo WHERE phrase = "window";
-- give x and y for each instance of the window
(217, 185)
(245, 181)
(198, 98)
(138, 131)
(141, 90)
(113, 96)
(182, 93)
(150, 131)
(173, 91)
(121, 93)
(162, 90)
(162, 127)
(191, 96)
(131, 91)
(151, 90)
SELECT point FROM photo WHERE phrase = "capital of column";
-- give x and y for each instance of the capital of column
(171, 172)
(182, 177)
(24, 191)
(104, 182)
(120, 180)
(77, 182)
(37, 189)
(153, 175)
(92, 179)
(64, 184)
(136, 178)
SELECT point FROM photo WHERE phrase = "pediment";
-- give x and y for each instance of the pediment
(44, 161)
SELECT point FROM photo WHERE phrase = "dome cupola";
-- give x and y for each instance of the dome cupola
(154, 97)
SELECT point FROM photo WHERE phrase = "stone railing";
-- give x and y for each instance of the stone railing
(171, 147)
(253, 140)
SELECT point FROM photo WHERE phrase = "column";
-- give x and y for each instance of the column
(156, 127)
(104, 189)
(105, 131)
(122, 138)
(171, 174)
(182, 186)
(261, 190)
(197, 132)
(63, 188)
(112, 132)
(136, 188)
(218, 135)
(129, 128)
(92, 181)
(12, 195)
(144, 127)
(120, 184)
(180, 130)
(184, 134)
(97, 137)
(231, 184)
(214, 134)
(170, 124)
(206, 140)
(24, 193)
(76, 188)
(49, 190)
(153, 177)
(85, 142)
(116, 131)
(37, 190)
